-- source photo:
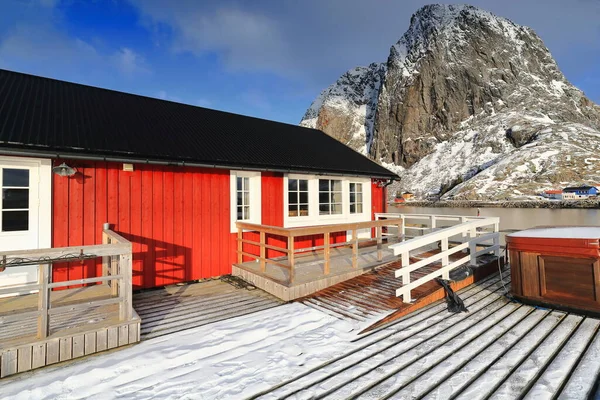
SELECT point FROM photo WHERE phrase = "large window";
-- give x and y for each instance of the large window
(243, 198)
(330, 196)
(356, 198)
(15, 200)
(297, 197)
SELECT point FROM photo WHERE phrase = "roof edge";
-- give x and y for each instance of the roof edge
(134, 160)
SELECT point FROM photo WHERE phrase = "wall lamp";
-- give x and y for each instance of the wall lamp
(64, 170)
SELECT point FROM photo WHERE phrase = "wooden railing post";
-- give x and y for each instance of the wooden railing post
(401, 232)
(326, 240)
(354, 248)
(263, 264)
(405, 275)
(114, 270)
(43, 300)
(291, 257)
(105, 259)
(240, 234)
(445, 258)
(125, 292)
(379, 235)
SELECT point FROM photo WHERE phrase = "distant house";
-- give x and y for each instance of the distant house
(579, 192)
(553, 194)
(408, 195)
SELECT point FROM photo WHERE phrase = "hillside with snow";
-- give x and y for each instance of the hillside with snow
(469, 105)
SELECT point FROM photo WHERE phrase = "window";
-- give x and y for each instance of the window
(330, 196)
(15, 200)
(297, 197)
(243, 198)
(356, 198)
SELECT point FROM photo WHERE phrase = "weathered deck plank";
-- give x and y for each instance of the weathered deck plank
(176, 308)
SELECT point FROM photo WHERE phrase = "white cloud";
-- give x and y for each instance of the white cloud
(244, 40)
(128, 62)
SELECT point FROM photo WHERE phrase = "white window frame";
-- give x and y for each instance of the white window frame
(298, 192)
(255, 196)
(313, 218)
(356, 202)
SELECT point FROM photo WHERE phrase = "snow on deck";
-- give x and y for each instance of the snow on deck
(499, 349)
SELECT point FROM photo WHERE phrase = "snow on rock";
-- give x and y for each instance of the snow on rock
(229, 359)
(346, 109)
(470, 105)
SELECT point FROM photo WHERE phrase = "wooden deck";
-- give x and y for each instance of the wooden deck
(372, 298)
(67, 320)
(176, 308)
(309, 275)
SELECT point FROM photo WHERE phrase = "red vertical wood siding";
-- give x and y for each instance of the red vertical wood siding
(176, 218)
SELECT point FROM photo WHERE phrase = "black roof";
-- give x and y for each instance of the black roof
(47, 116)
(576, 188)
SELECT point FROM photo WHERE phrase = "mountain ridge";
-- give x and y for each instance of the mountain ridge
(464, 92)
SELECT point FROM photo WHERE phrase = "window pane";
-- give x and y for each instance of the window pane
(304, 185)
(246, 198)
(352, 208)
(352, 197)
(240, 213)
(292, 184)
(336, 197)
(15, 177)
(15, 221)
(323, 185)
(293, 211)
(239, 183)
(246, 212)
(352, 187)
(303, 197)
(336, 208)
(359, 187)
(337, 186)
(324, 209)
(239, 198)
(15, 198)
(293, 198)
(303, 209)
(323, 198)
(359, 208)
(359, 197)
(246, 183)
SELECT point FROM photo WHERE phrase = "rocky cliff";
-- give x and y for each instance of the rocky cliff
(468, 105)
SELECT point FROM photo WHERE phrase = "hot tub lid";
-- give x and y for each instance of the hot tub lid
(559, 232)
(581, 241)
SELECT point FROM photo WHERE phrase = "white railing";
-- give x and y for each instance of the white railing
(419, 224)
(468, 234)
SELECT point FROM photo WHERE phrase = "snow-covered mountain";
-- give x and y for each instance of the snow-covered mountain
(468, 105)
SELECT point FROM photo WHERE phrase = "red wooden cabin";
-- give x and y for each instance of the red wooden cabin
(169, 177)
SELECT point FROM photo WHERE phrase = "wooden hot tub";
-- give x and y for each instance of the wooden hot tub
(557, 266)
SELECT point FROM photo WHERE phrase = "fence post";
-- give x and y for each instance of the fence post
(406, 298)
(354, 248)
(379, 235)
(402, 231)
(43, 300)
(125, 294)
(114, 270)
(433, 222)
(326, 240)
(291, 257)
(445, 259)
(263, 264)
(239, 245)
(105, 259)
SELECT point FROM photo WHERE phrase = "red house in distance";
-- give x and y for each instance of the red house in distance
(171, 178)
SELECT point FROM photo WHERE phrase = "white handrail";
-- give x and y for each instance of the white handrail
(470, 233)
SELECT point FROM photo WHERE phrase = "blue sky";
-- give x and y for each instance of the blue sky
(265, 58)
